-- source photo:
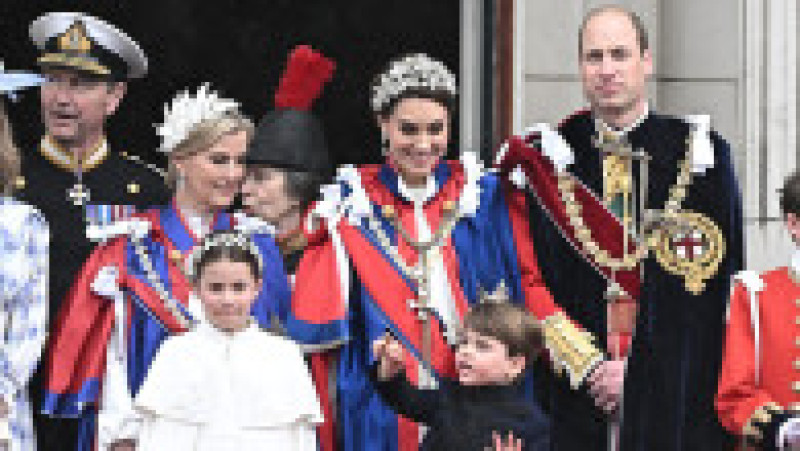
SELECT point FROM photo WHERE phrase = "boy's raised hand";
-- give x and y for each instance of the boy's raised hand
(389, 354)
(508, 443)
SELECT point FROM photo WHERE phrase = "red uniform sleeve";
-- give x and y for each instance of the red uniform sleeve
(738, 396)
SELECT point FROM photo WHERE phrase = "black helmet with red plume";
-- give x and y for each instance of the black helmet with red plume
(290, 137)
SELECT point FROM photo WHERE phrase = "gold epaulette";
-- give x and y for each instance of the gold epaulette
(138, 160)
(761, 417)
(572, 350)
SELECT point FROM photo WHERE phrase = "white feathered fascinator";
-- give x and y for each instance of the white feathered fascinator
(187, 111)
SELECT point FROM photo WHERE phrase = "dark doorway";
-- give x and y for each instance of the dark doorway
(240, 46)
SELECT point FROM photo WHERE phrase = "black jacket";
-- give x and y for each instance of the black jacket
(463, 417)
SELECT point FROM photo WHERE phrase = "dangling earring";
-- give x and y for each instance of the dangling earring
(384, 144)
(180, 181)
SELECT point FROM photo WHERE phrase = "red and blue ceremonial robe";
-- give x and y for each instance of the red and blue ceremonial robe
(148, 265)
(350, 287)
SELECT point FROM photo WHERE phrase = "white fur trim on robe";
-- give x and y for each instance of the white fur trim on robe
(116, 420)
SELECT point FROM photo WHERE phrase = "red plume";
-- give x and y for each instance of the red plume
(301, 83)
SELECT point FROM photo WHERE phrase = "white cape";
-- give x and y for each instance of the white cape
(210, 391)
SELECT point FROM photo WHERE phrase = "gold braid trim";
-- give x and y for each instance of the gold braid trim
(87, 64)
(572, 350)
(760, 417)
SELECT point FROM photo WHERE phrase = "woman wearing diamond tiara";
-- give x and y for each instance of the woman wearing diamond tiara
(132, 292)
(405, 247)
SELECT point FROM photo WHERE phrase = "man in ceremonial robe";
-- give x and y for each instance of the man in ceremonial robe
(658, 315)
(758, 398)
(87, 63)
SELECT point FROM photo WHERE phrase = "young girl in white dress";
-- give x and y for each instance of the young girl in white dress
(227, 384)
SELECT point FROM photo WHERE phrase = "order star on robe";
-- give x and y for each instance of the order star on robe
(357, 280)
(154, 295)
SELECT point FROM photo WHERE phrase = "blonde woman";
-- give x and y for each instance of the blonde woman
(24, 240)
(132, 293)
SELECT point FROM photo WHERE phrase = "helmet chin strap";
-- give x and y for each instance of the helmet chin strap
(289, 219)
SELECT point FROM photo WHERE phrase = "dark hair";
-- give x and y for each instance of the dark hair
(441, 97)
(303, 186)
(790, 194)
(223, 250)
(509, 323)
(636, 21)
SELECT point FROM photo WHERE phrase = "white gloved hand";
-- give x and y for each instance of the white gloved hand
(789, 435)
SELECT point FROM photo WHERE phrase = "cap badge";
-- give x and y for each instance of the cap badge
(75, 39)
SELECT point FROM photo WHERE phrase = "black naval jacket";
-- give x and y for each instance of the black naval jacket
(117, 180)
(676, 353)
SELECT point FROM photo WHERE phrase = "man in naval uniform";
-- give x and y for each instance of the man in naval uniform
(635, 218)
(87, 63)
(758, 398)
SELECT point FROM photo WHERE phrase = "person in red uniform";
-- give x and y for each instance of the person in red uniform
(758, 397)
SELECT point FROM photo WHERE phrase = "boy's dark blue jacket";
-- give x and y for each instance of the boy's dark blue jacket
(461, 417)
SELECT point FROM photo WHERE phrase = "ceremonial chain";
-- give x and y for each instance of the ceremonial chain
(150, 272)
(566, 188)
(444, 229)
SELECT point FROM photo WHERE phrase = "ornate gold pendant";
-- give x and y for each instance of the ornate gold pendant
(692, 247)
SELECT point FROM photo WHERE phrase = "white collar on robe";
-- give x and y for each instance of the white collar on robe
(561, 154)
(604, 127)
(417, 195)
(700, 134)
(197, 224)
